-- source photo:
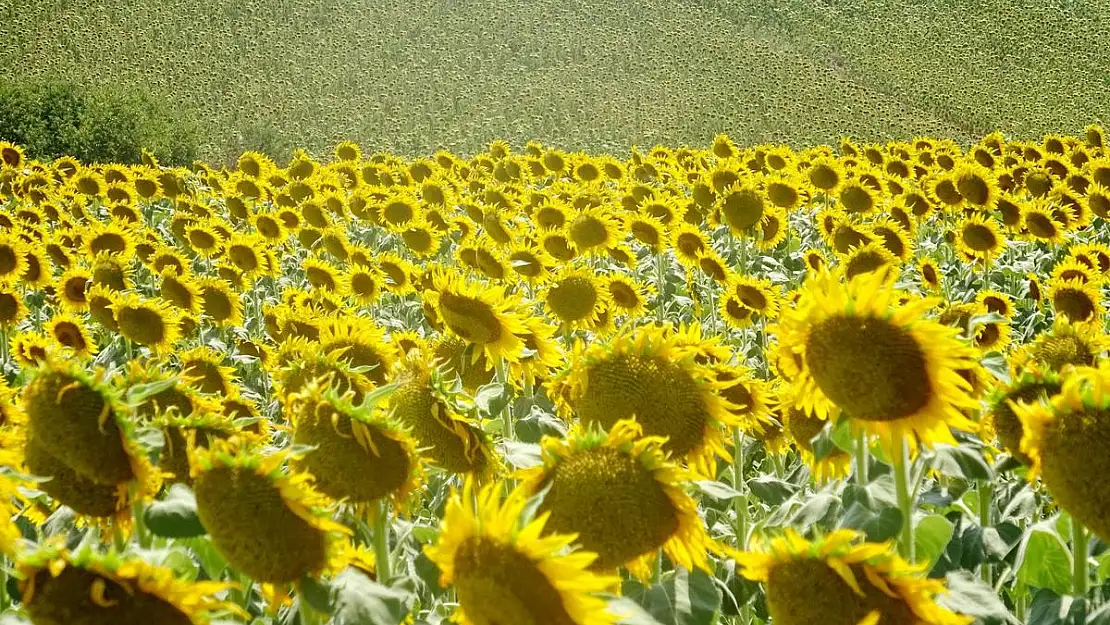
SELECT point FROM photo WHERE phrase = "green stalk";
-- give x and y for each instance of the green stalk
(381, 542)
(902, 467)
(740, 503)
(661, 279)
(986, 494)
(1079, 542)
(3, 584)
(863, 460)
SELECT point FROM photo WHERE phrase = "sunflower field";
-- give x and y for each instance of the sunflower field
(852, 384)
(417, 76)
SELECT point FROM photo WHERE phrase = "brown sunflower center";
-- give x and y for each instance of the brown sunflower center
(573, 298)
(1058, 351)
(9, 308)
(587, 232)
(742, 209)
(856, 199)
(615, 505)
(974, 189)
(1007, 424)
(864, 261)
(804, 591)
(497, 585)
(870, 368)
(1041, 225)
(217, 304)
(1074, 304)
(752, 297)
(455, 445)
(979, 238)
(624, 295)
(823, 177)
(470, 318)
(75, 289)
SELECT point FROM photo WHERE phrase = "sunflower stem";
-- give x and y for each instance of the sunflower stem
(381, 542)
(661, 278)
(1079, 542)
(863, 460)
(740, 502)
(502, 370)
(986, 494)
(902, 467)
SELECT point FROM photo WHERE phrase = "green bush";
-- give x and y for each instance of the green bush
(103, 125)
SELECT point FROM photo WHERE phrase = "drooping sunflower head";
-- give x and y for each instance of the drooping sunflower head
(303, 362)
(91, 588)
(506, 570)
(622, 497)
(78, 418)
(1066, 437)
(268, 524)
(359, 454)
(649, 374)
(423, 404)
(361, 343)
(866, 357)
(840, 580)
(1066, 345)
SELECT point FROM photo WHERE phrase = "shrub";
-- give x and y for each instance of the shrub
(95, 125)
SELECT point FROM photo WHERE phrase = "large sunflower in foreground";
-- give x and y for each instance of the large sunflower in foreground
(504, 571)
(838, 580)
(861, 355)
(622, 497)
(88, 588)
(650, 374)
(1066, 437)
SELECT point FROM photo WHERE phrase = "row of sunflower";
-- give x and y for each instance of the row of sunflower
(534, 387)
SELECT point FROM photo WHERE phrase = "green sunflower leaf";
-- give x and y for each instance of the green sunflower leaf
(175, 516)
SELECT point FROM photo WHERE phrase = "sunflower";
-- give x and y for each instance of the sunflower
(825, 174)
(648, 230)
(360, 343)
(1041, 223)
(1066, 438)
(321, 274)
(801, 428)
(857, 198)
(1031, 386)
(89, 588)
(219, 303)
(1073, 269)
(247, 253)
(301, 362)
(12, 309)
(363, 283)
(110, 238)
(111, 273)
(651, 374)
(881, 364)
(577, 298)
(529, 261)
(504, 572)
(996, 302)
(628, 296)
(741, 207)
(979, 239)
(456, 358)
(71, 289)
(839, 580)
(1076, 300)
(868, 258)
(622, 497)
(75, 417)
(70, 331)
(558, 245)
(1066, 344)
(148, 322)
(931, 277)
(359, 454)
(484, 315)
(398, 272)
(593, 230)
(205, 369)
(13, 258)
(268, 524)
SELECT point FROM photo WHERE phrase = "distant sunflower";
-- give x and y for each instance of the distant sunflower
(363, 283)
(857, 198)
(825, 174)
(815, 260)
(1072, 269)
(593, 230)
(839, 580)
(977, 185)
(689, 243)
(268, 524)
(12, 309)
(13, 258)
(1041, 224)
(868, 258)
(996, 302)
(1066, 438)
(650, 374)
(110, 272)
(628, 296)
(741, 208)
(622, 497)
(148, 322)
(72, 288)
(504, 572)
(876, 362)
(931, 277)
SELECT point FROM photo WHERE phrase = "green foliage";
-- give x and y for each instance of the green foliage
(417, 76)
(55, 118)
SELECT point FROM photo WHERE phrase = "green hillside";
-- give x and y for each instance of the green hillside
(418, 75)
